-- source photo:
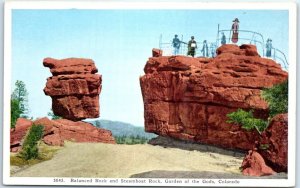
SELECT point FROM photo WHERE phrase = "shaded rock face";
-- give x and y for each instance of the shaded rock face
(188, 98)
(254, 165)
(156, 52)
(275, 139)
(57, 131)
(74, 88)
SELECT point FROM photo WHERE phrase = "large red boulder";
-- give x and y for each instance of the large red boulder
(274, 143)
(74, 88)
(17, 134)
(254, 165)
(188, 98)
(57, 131)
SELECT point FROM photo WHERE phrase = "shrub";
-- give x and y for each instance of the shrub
(30, 152)
(30, 148)
(45, 153)
(247, 121)
(277, 98)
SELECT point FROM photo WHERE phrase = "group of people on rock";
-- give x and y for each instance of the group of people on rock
(192, 44)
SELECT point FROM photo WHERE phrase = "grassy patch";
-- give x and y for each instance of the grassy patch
(45, 153)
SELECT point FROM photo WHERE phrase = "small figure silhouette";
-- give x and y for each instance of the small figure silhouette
(176, 45)
(212, 50)
(223, 39)
(204, 49)
(269, 47)
(235, 30)
(192, 45)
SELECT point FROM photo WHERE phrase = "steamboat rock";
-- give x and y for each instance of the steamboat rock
(188, 98)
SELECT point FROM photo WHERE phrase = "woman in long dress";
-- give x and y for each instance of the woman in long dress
(235, 30)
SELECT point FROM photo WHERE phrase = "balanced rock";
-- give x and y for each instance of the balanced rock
(57, 131)
(274, 143)
(74, 88)
(188, 98)
(254, 165)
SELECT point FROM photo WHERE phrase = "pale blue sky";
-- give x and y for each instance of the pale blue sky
(120, 42)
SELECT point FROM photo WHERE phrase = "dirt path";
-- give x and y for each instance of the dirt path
(121, 161)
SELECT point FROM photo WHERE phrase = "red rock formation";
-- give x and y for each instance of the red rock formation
(156, 52)
(57, 131)
(254, 165)
(74, 88)
(188, 98)
(18, 133)
(274, 143)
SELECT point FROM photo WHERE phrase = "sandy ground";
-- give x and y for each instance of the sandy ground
(122, 161)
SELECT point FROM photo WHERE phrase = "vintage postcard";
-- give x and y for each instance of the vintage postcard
(149, 93)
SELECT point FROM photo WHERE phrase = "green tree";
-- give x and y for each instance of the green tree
(19, 103)
(277, 98)
(52, 115)
(21, 95)
(247, 121)
(15, 112)
(30, 148)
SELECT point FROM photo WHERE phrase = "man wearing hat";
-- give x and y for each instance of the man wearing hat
(235, 30)
(192, 45)
(269, 47)
(176, 44)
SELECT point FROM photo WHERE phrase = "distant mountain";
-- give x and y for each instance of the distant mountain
(120, 128)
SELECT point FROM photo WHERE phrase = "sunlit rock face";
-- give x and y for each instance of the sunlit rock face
(74, 88)
(188, 98)
(57, 131)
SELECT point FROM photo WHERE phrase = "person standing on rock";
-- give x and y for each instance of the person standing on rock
(204, 49)
(192, 45)
(176, 45)
(235, 30)
(223, 39)
(269, 48)
(212, 50)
